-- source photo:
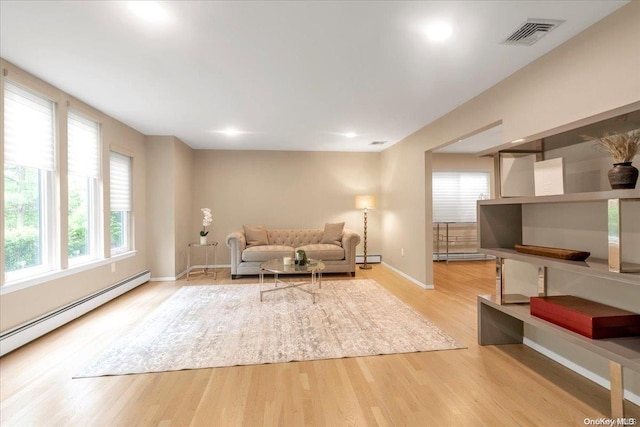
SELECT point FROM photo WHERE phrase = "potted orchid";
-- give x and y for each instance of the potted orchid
(206, 221)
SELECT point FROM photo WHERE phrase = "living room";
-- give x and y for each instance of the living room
(171, 181)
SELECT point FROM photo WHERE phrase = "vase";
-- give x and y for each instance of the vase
(203, 240)
(623, 175)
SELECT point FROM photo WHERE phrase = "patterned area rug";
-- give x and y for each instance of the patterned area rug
(227, 325)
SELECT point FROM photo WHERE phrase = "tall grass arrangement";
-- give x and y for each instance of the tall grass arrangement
(622, 147)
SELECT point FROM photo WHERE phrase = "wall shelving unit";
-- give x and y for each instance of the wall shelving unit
(501, 317)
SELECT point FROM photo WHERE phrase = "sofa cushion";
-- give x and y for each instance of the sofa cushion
(266, 252)
(323, 251)
(255, 235)
(294, 237)
(332, 234)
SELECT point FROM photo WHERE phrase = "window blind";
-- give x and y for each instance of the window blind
(120, 171)
(83, 152)
(455, 195)
(29, 131)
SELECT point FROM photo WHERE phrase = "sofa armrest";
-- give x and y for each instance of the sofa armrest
(237, 242)
(350, 240)
(237, 238)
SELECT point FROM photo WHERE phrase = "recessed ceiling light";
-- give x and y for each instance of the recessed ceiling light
(231, 132)
(149, 10)
(515, 141)
(350, 134)
(438, 31)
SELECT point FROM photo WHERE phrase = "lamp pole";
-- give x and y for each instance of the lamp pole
(365, 265)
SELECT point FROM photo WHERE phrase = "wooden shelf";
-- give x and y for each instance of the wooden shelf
(625, 350)
(595, 196)
(591, 267)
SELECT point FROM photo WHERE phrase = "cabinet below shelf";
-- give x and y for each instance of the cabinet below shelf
(591, 267)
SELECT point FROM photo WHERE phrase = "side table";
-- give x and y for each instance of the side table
(205, 269)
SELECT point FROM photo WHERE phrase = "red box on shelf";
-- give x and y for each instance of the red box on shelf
(588, 318)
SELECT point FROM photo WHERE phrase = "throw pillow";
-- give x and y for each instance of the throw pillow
(255, 235)
(332, 234)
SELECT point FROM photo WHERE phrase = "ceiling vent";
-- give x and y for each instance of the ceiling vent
(378, 142)
(531, 31)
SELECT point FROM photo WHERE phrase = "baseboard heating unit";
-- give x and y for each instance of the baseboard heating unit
(29, 331)
(371, 259)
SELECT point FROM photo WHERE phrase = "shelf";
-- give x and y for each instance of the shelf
(594, 196)
(624, 350)
(591, 267)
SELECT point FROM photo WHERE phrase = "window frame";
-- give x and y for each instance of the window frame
(47, 191)
(95, 232)
(459, 174)
(126, 215)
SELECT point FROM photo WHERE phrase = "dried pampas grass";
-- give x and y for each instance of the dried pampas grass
(622, 147)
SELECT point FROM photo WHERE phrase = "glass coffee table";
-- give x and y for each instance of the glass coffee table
(278, 267)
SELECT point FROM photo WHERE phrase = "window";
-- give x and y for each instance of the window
(120, 220)
(455, 195)
(29, 166)
(83, 153)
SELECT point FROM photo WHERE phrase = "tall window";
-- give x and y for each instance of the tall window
(84, 175)
(29, 165)
(455, 194)
(120, 224)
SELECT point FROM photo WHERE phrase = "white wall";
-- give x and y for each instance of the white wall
(283, 190)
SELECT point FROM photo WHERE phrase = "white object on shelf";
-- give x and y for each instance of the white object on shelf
(549, 177)
(516, 176)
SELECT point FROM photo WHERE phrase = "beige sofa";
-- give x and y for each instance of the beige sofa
(338, 257)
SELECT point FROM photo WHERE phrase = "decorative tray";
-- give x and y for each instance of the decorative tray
(568, 254)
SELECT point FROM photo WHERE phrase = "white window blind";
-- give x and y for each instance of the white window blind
(29, 131)
(84, 146)
(455, 194)
(120, 182)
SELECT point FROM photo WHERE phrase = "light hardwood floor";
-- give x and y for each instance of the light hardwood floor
(509, 385)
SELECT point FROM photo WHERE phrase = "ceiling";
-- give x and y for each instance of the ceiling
(290, 75)
(476, 143)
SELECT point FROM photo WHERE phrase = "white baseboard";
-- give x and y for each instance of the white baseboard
(604, 382)
(29, 331)
(184, 273)
(406, 276)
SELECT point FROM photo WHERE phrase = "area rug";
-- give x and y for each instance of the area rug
(227, 325)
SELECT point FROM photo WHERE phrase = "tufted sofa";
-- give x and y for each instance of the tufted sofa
(338, 258)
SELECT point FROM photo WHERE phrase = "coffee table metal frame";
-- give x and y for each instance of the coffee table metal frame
(277, 267)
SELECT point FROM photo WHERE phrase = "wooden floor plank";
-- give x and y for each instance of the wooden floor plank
(479, 386)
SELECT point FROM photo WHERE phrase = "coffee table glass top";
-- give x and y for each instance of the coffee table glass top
(278, 266)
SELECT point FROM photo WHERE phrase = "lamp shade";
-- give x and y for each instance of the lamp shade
(366, 202)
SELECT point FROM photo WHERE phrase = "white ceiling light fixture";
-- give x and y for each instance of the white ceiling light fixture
(231, 132)
(438, 31)
(350, 134)
(150, 11)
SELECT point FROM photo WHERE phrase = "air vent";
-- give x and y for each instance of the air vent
(378, 142)
(532, 31)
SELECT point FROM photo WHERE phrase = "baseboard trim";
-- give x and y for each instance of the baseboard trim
(604, 382)
(184, 273)
(27, 332)
(406, 276)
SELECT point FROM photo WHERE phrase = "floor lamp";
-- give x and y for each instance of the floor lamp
(365, 202)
